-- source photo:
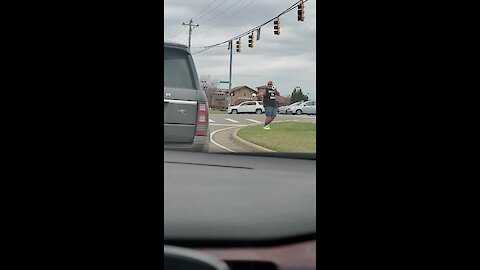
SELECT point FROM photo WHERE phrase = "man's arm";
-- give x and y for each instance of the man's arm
(261, 94)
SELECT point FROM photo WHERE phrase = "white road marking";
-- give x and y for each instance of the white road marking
(211, 121)
(306, 116)
(217, 144)
(255, 121)
(231, 120)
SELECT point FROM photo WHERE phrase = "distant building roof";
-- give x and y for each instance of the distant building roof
(241, 87)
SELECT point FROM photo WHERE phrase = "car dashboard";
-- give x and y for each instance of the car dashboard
(247, 211)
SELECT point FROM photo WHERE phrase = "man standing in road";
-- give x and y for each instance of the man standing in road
(270, 103)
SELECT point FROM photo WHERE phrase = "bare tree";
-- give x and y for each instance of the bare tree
(208, 81)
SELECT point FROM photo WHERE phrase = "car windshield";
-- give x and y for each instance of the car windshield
(235, 64)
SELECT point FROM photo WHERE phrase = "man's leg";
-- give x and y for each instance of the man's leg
(268, 113)
(268, 120)
(273, 114)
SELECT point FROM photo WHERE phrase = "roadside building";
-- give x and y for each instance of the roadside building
(217, 98)
(243, 93)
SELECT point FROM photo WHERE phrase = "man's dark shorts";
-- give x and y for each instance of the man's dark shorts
(271, 111)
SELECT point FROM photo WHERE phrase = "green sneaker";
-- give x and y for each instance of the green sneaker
(267, 127)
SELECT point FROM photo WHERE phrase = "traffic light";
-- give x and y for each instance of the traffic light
(301, 12)
(276, 26)
(250, 40)
(238, 45)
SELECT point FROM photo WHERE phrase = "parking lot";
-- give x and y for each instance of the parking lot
(222, 127)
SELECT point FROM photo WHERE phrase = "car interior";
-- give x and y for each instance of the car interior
(232, 211)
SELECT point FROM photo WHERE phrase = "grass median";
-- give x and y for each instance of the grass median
(283, 137)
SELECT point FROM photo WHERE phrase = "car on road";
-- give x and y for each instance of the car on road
(247, 107)
(307, 107)
(283, 109)
(185, 106)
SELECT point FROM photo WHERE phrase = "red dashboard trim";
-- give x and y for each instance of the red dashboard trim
(294, 256)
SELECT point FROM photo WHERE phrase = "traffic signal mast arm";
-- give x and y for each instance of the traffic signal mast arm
(299, 4)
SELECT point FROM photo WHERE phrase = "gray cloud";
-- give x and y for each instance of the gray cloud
(288, 60)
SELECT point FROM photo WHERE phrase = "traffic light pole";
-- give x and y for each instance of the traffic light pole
(230, 76)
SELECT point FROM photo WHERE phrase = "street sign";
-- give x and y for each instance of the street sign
(224, 81)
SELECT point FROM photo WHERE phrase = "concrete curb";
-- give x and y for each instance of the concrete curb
(249, 144)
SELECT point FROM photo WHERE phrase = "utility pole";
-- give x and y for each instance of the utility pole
(190, 31)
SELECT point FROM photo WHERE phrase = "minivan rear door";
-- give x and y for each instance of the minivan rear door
(180, 96)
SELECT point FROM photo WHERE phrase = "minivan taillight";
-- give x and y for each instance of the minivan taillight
(202, 119)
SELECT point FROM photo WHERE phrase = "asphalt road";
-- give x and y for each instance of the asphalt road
(222, 127)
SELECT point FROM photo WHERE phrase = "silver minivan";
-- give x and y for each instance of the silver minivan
(185, 108)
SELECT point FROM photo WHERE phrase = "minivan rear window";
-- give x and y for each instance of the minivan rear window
(177, 71)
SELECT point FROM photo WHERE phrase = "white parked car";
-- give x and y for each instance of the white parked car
(307, 107)
(247, 107)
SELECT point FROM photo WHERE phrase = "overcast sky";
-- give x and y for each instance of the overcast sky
(288, 59)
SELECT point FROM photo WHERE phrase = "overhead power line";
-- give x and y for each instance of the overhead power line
(185, 40)
(176, 33)
(204, 9)
(221, 12)
(212, 10)
(229, 16)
